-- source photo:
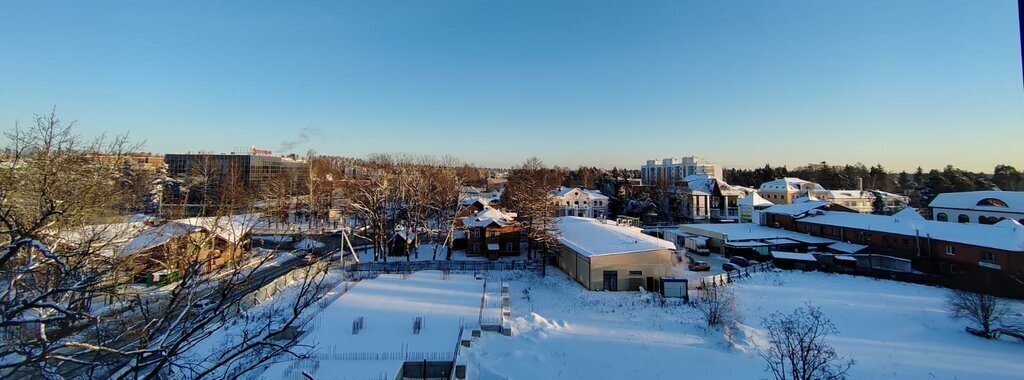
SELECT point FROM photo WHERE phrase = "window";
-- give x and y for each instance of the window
(950, 250)
(942, 217)
(636, 273)
(988, 257)
(508, 247)
(963, 218)
(992, 202)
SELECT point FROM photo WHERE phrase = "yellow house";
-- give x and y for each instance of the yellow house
(784, 190)
(602, 255)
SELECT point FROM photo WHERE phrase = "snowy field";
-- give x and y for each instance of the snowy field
(389, 306)
(894, 331)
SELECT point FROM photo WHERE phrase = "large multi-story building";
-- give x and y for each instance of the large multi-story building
(671, 170)
(200, 174)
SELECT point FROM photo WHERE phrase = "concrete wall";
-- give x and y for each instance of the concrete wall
(655, 264)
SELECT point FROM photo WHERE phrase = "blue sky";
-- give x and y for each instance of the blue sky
(606, 83)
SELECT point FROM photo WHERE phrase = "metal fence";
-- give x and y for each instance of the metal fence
(460, 265)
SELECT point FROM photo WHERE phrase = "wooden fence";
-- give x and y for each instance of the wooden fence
(731, 276)
(458, 265)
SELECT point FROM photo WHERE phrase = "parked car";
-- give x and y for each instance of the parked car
(729, 267)
(740, 261)
(699, 266)
(753, 262)
(202, 306)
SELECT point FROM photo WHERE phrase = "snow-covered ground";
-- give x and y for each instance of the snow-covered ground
(426, 253)
(894, 331)
(389, 307)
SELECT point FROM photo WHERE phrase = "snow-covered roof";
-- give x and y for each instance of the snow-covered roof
(1006, 235)
(754, 199)
(734, 232)
(789, 184)
(981, 201)
(592, 237)
(845, 247)
(593, 194)
(793, 256)
(488, 215)
(850, 194)
(796, 208)
(230, 228)
(156, 236)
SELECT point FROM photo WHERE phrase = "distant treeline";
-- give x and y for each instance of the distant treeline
(920, 185)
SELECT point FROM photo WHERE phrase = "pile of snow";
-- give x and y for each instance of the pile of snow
(894, 331)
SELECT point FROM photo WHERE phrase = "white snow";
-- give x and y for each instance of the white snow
(1008, 236)
(308, 244)
(845, 247)
(734, 232)
(592, 237)
(793, 256)
(389, 305)
(894, 331)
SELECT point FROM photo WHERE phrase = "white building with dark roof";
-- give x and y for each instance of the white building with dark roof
(984, 207)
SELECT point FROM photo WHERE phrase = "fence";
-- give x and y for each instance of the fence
(731, 276)
(460, 265)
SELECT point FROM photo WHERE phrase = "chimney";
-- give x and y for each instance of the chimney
(860, 184)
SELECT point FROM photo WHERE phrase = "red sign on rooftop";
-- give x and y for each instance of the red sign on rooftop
(261, 152)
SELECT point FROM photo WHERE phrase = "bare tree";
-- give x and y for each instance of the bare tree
(371, 200)
(797, 349)
(59, 257)
(529, 193)
(985, 311)
(716, 304)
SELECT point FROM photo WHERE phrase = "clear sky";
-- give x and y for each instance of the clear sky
(606, 83)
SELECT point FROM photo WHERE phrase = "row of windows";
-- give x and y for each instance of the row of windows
(963, 218)
(987, 257)
(577, 203)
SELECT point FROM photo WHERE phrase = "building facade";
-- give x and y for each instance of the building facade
(671, 170)
(197, 176)
(574, 201)
(703, 197)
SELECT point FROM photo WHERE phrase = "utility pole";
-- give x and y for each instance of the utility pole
(1020, 18)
